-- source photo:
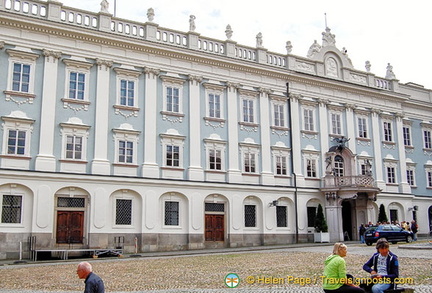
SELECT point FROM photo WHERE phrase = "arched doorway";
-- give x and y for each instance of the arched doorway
(347, 220)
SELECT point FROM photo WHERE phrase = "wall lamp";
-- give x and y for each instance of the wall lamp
(273, 203)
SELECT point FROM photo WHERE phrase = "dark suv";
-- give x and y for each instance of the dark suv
(392, 233)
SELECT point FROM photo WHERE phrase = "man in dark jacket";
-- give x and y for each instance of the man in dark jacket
(383, 267)
(93, 283)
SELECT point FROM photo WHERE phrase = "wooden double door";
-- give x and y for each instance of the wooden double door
(214, 227)
(70, 226)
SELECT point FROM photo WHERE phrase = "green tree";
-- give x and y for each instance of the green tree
(382, 217)
(320, 221)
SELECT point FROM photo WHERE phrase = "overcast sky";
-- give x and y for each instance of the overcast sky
(380, 31)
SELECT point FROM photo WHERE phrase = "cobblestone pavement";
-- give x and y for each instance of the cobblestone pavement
(308, 250)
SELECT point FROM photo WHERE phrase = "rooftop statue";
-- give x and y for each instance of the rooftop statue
(104, 6)
(313, 49)
(328, 38)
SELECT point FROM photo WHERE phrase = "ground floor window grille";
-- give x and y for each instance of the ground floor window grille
(393, 216)
(250, 215)
(71, 202)
(123, 212)
(311, 214)
(11, 209)
(214, 207)
(171, 213)
(281, 216)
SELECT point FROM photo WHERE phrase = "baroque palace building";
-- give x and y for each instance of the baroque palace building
(114, 129)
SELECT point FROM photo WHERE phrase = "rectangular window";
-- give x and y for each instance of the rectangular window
(249, 163)
(250, 215)
(407, 136)
(427, 139)
(393, 215)
(173, 155)
(311, 168)
(11, 209)
(311, 214)
(336, 123)
(410, 177)
(16, 142)
(171, 213)
(126, 151)
(281, 216)
(123, 212)
(362, 127)
(76, 85)
(21, 78)
(173, 100)
(127, 93)
(281, 165)
(279, 116)
(364, 169)
(215, 160)
(429, 178)
(388, 131)
(74, 147)
(214, 106)
(308, 120)
(248, 111)
(391, 175)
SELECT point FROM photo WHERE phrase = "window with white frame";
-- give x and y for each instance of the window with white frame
(429, 177)
(407, 135)
(388, 131)
(17, 130)
(74, 140)
(11, 212)
(172, 150)
(127, 87)
(310, 159)
(20, 82)
(311, 168)
(365, 167)
(391, 174)
(215, 151)
(250, 155)
(411, 176)
(126, 144)
(248, 110)
(362, 127)
(427, 142)
(173, 98)
(77, 80)
(308, 119)
(281, 157)
(336, 124)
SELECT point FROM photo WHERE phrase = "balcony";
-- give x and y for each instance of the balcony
(331, 181)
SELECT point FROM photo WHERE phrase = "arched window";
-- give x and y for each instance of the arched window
(339, 166)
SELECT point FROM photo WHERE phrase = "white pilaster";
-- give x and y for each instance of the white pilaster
(376, 126)
(323, 129)
(100, 163)
(267, 177)
(234, 173)
(351, 128)
(404, 186)
(195, 170)
(45, 160)
(150, 167)
(295, 143)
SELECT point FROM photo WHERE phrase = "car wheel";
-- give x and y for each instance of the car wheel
(368, 243)
(409, 239)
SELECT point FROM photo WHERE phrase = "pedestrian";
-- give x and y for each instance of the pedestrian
(414, 229)
(335, 276)
(362, 231)
(383, 267)
(93, 283)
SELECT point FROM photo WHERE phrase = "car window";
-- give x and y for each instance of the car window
(387, 228)
(396, 228)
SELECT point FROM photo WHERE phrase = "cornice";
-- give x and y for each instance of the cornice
(155, 48)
